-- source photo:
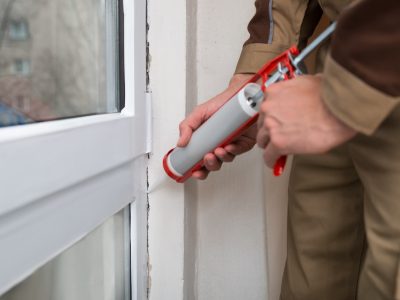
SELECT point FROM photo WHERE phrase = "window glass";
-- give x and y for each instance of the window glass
(95, 268)
(18, 30)
(57, 59)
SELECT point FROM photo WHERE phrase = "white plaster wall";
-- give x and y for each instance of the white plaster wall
(208, 240)
(167, 42)
(231, 229)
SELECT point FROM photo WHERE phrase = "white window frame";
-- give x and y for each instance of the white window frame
(61, 179)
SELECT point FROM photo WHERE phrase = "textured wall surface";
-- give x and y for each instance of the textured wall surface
(167, 42)
(230, 213)
(213, 234)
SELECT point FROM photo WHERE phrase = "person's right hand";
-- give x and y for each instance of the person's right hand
(243, 143)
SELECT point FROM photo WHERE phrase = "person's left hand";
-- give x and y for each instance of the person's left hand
(294, 120)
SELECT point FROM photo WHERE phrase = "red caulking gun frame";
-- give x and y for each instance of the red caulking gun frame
(238, 114)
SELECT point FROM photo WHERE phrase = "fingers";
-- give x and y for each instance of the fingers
(268, 138)
(201, 174)
(211, 162)
(264, 125)
(224, 155)
(264, 132)
(271, 155)
(185, 133)
(190, 124)
(236, 148)
(262, 137)
(240, 146)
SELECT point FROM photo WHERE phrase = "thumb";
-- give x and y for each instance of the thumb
(185, 133)
(190, 124)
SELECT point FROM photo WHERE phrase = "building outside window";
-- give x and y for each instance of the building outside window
(21, 67)
(18, 30)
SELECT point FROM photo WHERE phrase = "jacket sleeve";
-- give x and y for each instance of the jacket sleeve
(276, 26)
(361, 84)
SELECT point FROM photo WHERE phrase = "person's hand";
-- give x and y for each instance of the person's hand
(294, 120)
(213, 161)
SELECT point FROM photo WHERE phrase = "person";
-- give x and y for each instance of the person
(343, 126)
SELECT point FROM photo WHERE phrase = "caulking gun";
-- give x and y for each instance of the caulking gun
(238, 113)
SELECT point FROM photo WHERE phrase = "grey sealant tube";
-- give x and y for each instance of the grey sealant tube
(236, 112)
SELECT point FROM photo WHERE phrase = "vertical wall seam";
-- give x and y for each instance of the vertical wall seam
(147, 49)
(148, 283)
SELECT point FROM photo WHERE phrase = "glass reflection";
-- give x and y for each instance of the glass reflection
(52, 60)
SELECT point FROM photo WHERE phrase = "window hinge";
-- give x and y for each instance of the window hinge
(149, 122)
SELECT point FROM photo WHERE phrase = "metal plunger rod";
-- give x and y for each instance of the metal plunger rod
(314, 44)
(306, 51)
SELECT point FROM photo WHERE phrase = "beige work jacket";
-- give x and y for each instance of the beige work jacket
(361, 84)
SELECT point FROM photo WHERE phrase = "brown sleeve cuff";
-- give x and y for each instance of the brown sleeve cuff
(354, 102)
(254, 56)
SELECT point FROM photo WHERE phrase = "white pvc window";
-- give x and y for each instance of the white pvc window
(95, 268)
(61, 179)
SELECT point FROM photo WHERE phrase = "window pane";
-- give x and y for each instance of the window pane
(96, 268)
(58, 59)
